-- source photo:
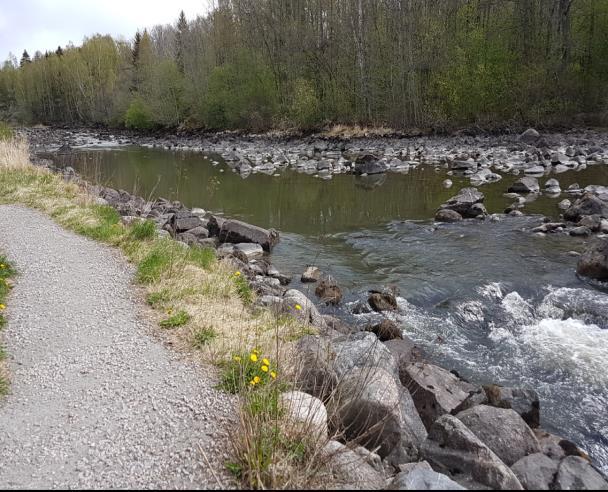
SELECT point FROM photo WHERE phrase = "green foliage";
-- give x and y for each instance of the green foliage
(305, 107)
(6, 132)
(106, 228)
(202, 257)
(157, 261)
(175, 320)
(139, 116)
(143, 230)
(243, 288)
(158, 298)
(203, 336)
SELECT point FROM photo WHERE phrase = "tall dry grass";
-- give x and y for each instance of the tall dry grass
(14, 154)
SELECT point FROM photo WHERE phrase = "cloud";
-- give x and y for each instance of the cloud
(45, 24)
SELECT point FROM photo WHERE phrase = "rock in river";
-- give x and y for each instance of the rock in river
(594, 261)
(382, 302)
(527, 184)
(464, 203)
(446, 215)
(235, 231)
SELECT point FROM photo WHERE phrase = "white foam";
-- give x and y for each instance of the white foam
(491, 291)
(518, 308)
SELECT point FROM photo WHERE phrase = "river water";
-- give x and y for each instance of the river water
(488, 299)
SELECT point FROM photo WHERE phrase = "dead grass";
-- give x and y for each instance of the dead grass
(356, 131)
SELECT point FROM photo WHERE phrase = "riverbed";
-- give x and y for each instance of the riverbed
(490, 299)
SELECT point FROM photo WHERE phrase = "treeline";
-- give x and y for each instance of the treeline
(256, 64)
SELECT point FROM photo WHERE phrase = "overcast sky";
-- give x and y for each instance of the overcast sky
(45, 24)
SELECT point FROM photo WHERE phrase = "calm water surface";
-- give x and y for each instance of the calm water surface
(506, 304)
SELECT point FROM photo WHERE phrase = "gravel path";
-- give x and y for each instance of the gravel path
(96, 401)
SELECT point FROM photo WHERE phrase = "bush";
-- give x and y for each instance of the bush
(138, 116)
(305, 108)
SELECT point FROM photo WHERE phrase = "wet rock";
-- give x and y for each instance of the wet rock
(524, 401)
(536, 471)
(593, 263)
(446, 215)
(420, 476)
(552, 186)
(311, 274)
(535, 170)
(587, 205)
(350, 469)
(305, 415)
(462, 165)
(447, 183)
(378, 413)
(235, 231)
(340, 326)
(386, 330)
(577, 474)
(564, 204)
(580, 232)
(214, 225)
(527, 184)
(435, 391)
(464, 201)
(502, 430)
(592, 222)
(368, 164)
(380, 302)
(530, 136)
(452, 447)
(329, 292)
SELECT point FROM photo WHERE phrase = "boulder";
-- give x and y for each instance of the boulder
(235, 231)
(552, 186)
(536, 471)
(592, 222)
(588, 204)
(382, 301)
(311, 274)
(435, 391)
(530, 136)
(447, 215)
(305, 415)
(502, 430)
(185, 221)
(575, 473)
(199, 232)
(349, 469)
(329, 292)
(593, 263)
(524, 401)
(527, 184)
(386, 330)
(549, 444)
(374, 410)
(580, 232)
(249, 250)
(214, 225)
(420, 476)
(452, 447)
(368, 164)
(464, 201)
(297, 304)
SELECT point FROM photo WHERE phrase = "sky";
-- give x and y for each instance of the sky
(45, 24)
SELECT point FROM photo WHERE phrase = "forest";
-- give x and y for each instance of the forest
(261, 64)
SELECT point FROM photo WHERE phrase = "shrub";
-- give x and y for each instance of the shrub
(138, 116)
(305, 108)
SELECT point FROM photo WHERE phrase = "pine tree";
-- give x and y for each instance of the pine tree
(182, 29)
(59, 51)
(25, 58)
(135, 51)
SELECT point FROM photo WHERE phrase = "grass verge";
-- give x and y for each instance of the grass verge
(6, 273)
(209, 309)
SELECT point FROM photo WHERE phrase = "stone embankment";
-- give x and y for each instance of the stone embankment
(403, 422)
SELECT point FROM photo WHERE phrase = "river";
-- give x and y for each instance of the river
(487, 298)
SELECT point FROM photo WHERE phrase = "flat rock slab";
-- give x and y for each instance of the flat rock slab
(96, 401)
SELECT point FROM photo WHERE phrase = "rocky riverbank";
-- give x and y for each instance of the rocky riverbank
(406, 422)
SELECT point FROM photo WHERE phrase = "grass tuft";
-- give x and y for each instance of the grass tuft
(143, 230)
(178, 319)
(203, 337)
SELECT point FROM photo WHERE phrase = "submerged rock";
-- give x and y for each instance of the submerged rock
(383, 302)
(527, 184)
(465, 203)
(386, 330)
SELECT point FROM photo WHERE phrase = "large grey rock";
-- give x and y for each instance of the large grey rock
(249, 250)
(435, 391)
(350, 469)
(420, 476)
(446, 215)
(530, 136)
(524, 401)
(386, 330)
(185, 221)
(527, 184)
(235, 231)
(297, 304)
(464, 201)
(452, 448)
(304, 414)
(368, 164)
(593, 263)
(536, 471)
(502, 430)
(376, 411)
(588, 204)
(577, 474)
(311, 274)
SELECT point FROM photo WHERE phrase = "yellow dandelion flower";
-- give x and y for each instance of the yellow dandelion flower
(237, 274)
(252, 382)
(265, 368)
(266, 362)
(254, 358)
(256, 351)
(2, 266)
(257, 379)
(298, 307)
(273, 374)
(2, 307)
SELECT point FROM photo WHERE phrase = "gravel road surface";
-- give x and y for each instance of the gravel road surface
(96, 401)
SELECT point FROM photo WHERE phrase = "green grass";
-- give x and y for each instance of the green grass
(107, 228)
(203, 336)
(156, 299)
(178, 319)
(3, 386)
(243, 289)
(202, 257)
(156, 262)
(143, 230)
(6, 132)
